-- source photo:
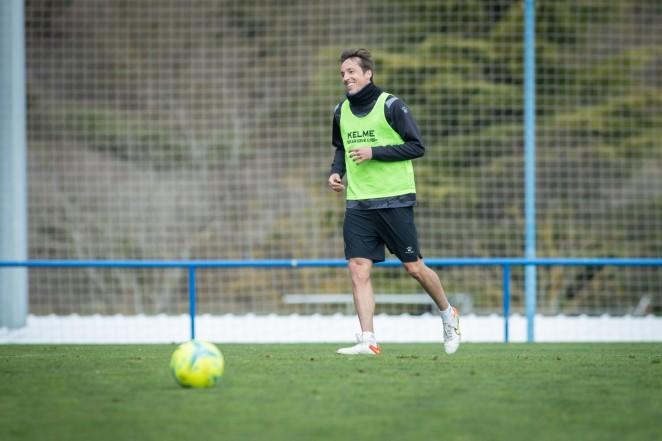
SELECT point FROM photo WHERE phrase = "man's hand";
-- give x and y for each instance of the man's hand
(360, 155)
(335, 182)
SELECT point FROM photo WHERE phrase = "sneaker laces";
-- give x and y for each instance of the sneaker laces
(450, 330)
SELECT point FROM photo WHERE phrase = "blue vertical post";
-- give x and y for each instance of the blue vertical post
(13, 165)
(191, 298)
(530, 164)
(506, 303)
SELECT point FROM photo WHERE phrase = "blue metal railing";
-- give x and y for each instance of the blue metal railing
(506, 263)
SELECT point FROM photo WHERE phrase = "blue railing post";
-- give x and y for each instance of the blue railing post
(506, 302)
(191, 298)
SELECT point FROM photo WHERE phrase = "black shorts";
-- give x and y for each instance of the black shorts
(367, 231)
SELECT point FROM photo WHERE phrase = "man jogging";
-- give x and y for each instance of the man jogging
(376, 138)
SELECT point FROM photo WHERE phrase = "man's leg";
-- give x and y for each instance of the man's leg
(364, 302)
(364, 299)
(431, 283)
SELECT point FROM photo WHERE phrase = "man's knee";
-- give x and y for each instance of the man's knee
(415, 269)
(360, 270)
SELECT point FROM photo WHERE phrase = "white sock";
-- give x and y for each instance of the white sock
(447, 315)
(368, 337)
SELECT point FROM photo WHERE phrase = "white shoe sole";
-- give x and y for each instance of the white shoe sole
(360, 350)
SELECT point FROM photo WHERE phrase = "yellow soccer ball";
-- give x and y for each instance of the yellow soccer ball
(197, 364)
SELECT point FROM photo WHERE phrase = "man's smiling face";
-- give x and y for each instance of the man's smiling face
(353, 77)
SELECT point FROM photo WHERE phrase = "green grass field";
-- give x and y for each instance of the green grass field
(306, 392)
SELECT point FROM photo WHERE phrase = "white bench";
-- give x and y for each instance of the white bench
(463, 301)
(348, 300)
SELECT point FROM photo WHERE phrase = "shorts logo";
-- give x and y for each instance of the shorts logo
(409, 250)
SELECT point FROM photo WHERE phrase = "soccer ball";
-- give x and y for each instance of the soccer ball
(197, 364)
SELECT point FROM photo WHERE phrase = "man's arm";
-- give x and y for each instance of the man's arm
(338, 165)
(401, 120)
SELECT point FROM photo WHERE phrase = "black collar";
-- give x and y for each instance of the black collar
(365, 97)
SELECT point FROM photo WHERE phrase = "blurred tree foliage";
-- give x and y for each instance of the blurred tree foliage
(458, 64)
(594, 113)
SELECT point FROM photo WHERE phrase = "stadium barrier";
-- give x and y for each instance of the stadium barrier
(193, 265)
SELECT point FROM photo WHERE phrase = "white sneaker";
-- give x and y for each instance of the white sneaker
(362, 347)
(452, 333)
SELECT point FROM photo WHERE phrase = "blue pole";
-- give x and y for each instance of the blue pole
(506, 302)
(191, 298)
(530, 164)
(13, 194)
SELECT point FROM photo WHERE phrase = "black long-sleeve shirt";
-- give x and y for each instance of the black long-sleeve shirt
(400, 119)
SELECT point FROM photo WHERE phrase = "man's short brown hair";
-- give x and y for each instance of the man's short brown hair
(363, 57)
